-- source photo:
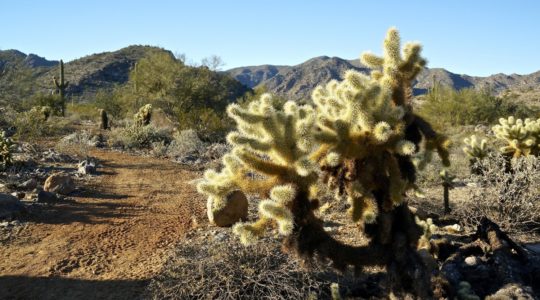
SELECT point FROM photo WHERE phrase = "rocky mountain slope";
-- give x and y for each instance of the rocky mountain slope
(22, 74)
(298, 81)
(86, 75)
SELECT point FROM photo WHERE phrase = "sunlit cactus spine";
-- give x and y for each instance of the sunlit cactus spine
(6, 150)
(61, 87)
(362, 139)
(144, 115)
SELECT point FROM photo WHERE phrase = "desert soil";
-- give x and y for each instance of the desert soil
(108, 239)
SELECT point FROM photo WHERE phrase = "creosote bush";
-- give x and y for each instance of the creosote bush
(507, 192)
(360, 140)
(138, 137)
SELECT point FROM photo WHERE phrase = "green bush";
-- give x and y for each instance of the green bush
(32, 124)
(138, 137)
(444, 106)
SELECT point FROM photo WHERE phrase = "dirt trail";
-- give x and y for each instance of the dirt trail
(109, 240)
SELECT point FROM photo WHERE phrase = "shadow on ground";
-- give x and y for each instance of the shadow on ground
(57, 288)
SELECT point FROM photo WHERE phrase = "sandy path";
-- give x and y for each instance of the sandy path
(109, 240)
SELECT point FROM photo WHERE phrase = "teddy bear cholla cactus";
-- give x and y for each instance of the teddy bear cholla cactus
(6, 148)
(522, 137)
(362, 139)
(144, 115)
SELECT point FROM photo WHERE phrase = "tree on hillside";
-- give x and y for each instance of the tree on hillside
(183, 92)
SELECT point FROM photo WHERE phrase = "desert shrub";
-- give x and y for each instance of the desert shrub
(507, 192)
(45, 100)
(83, 111)
(6, 149)
(32, 124)
(138, 137)
(79, 143)
(445, 106)
(110, 101)
(229, 271)
(186, 142)
(8, 116)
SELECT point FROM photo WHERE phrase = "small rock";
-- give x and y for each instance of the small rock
(28, 185)
(456, 228)
(220, 237)
(235, 209)
(471, 260)
(86, 167)
(60, 183)
(44, 196)
(10, 206)
(19, 195)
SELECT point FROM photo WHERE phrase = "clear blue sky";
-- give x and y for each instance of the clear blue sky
(471, 37)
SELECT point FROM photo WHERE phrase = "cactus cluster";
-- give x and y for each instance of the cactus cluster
(144, 115)
(6, 149)
(518, 138)
(522, 137)
(360, 139)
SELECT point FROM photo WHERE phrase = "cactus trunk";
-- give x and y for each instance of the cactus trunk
(61, 87)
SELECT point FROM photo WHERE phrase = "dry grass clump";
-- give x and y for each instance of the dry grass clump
(207, 269)
(507, 192)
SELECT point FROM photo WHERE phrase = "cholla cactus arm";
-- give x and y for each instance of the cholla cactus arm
(475, 147)
(368, 119)
(274, 143)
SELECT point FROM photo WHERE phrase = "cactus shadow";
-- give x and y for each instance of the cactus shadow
(23, 287)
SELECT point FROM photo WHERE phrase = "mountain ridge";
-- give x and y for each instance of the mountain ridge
(103, 71)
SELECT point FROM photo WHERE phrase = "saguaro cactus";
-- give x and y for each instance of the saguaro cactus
(104, 119)
(362, 139)
(61, 86)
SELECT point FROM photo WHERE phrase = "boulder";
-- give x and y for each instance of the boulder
(235, 209)
(10, 206)
(60, 183)
(86, 167)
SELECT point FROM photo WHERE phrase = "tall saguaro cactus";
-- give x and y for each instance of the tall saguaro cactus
(61, 86)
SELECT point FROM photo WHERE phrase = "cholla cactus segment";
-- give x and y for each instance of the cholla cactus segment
(522, 138)
(475, 147)
(428, 229)
(6, 149)
(447, 178)
(144, 115)
(270, 157)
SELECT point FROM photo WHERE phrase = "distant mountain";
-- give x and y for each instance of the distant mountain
(86, 75)
(297, 82)
(22, 74)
